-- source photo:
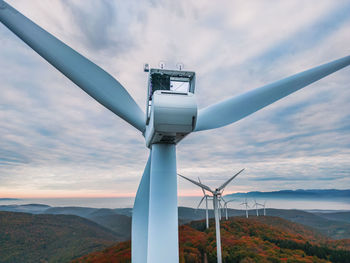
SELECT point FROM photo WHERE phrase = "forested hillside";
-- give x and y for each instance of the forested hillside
(61, 238)
(259, 239)
(49, 238)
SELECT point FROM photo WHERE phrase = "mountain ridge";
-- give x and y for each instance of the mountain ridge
(335, 225)
(297, 194)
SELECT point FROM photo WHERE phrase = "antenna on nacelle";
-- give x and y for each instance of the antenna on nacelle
(146, 67)
(180, 66)
(162, 64)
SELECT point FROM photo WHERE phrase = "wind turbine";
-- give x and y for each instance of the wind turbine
(256, 204)
(216, 204)
(264, 206)
(170, 116)
(246, 207)
(205, 197)
(225, 205)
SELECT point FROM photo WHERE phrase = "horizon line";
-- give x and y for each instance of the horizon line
(131, 195)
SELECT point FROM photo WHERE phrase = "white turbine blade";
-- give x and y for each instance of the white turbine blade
(238, 107)
(229, 180)
(197, 183)
(199, 180)
(85, 74)
(139, 231)
(200, 202)
(163, 244)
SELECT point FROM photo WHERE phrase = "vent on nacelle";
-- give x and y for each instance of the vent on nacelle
(167, 139)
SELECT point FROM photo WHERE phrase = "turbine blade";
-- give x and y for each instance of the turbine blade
(200, 202)
(238, 107)
(199, 180)
(85, 74)
(163, 214)
(229, 180)
(197, 183)
(139, 231)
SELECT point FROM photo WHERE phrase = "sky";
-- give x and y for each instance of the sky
(56, 141)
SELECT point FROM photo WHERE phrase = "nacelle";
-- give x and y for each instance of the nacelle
(173, 115)
(171, 108)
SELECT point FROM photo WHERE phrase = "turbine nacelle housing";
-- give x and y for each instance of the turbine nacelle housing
(171, 111)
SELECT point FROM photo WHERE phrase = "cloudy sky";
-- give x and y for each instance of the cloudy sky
(56, 141)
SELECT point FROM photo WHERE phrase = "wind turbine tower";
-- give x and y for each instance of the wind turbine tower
(216, 199)
(219, 208)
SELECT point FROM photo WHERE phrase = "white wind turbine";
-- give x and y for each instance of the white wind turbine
(216, 204)
(225, 205)
(256, 204)
(264, 206)
(170, 116)
(205, 197)
(245, 203)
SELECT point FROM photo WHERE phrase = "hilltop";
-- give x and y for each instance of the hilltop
(335, 224)
(259, 239)
(49, 238)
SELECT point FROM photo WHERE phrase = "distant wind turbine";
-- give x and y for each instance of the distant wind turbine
(245, 203)
(264, 206)
(256, 204)
(216, 197)
(205, 197)
(225, 205)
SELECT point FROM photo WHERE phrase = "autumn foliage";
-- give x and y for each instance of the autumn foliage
(120, 253)
(257, 239)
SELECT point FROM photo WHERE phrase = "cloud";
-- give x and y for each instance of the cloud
(55, 137)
